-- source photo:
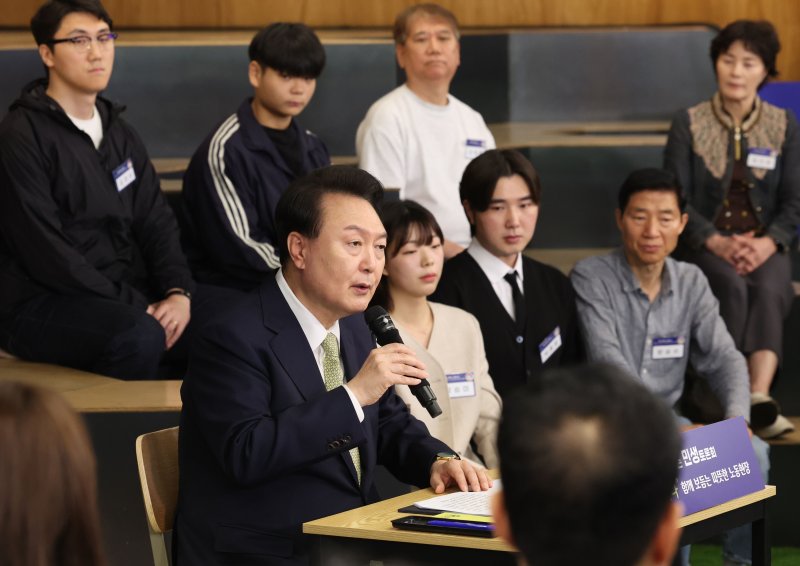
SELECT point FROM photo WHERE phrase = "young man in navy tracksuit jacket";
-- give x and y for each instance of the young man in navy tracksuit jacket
(237, 175)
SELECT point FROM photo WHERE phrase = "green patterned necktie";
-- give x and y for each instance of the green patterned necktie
(334, 377)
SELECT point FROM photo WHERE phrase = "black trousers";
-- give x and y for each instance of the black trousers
(103, 336)
(753, 306)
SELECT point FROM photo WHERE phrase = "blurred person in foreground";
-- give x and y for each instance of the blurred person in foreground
(591, 480)
(48, 493)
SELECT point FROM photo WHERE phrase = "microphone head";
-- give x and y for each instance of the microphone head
(382, 326)
(374, 312)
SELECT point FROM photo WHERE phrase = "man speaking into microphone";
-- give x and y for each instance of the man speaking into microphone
(287, 404)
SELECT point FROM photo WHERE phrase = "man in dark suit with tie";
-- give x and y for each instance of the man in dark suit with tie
(288, 406)
(526, 309)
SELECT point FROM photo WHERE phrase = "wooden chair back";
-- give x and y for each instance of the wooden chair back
(157, 457)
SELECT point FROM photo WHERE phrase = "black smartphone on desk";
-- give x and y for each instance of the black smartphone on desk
(445, 526)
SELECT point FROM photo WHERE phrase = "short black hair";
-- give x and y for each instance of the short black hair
(650, 179)
(589, 461)
(47, 19)
(400, 219)
(293, 49)
(299, 210)
(482, 174)
(759, 37)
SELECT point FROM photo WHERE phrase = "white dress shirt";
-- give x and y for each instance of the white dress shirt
(495, 270)
(315, 333)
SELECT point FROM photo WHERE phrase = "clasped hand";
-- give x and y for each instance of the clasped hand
(744, 252)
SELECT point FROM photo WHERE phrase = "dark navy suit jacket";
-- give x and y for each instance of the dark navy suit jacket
(263, 446)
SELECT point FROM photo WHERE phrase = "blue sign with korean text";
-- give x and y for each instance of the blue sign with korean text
(716, 464)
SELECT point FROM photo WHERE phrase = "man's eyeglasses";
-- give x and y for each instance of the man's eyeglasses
(84, 42)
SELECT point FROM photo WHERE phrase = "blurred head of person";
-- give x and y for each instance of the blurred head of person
(48, 493)
(590, 480)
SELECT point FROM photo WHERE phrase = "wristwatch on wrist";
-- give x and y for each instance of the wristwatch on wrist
(447, 456)
(178, 291)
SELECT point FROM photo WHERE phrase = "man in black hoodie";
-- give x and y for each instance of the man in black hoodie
(92, 275)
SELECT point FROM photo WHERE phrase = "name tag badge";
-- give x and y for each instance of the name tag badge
(461, 384)
(761, 158)
(124, 175)
(550, 344)
(668, 348)
(474, 148)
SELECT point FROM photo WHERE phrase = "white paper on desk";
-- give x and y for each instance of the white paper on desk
(465, 502)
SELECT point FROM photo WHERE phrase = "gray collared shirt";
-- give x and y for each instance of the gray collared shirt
(622, 327)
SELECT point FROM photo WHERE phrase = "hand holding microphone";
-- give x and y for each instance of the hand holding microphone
(381, 325)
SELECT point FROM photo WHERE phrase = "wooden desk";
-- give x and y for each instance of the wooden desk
(790, 438)
(92, 393)
(374, 522)
(177, 165)
(564, 258)
(364, 534)
(519, 135)
(514, 135)
(56, 378)
(751, 508)
(127, 397)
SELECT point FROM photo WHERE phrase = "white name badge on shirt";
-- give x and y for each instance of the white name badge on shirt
(474, 148)
(761, 158)
(668, 348)
(550, 344)
(461, 384)
(124, 175)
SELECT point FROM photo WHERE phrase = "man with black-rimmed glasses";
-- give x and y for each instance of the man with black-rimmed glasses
(92, 275)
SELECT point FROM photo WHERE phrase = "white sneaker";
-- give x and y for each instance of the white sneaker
(782, 425)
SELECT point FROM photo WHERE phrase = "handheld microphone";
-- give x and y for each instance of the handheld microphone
(381, 325)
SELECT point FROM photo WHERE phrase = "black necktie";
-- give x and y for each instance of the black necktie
(519, 300)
